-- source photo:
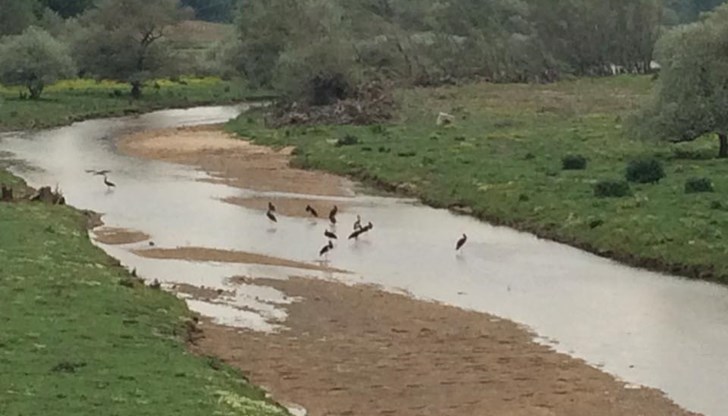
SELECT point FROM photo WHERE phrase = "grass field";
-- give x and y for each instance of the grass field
(75, 341)
(502, 158)
(75, 100)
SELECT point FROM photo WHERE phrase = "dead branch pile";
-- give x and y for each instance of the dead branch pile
(372, 104)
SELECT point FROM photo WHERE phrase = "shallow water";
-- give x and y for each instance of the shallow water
(651, 329)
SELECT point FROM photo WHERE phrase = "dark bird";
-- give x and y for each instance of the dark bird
(271, 207)
(461, 242)
(108, 183)
(328, 247)
(311, 211)
(361, 231)
(271, 216)
(329, 234)
(98, 172)
(357, 223)
(332, 214)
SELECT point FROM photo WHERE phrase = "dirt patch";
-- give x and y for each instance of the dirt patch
(359, 351)
(233, 161)
(228, 256)
(117, 236)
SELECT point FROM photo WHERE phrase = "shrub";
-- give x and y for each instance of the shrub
(645, 170)
(573, 162)
(611, 188)
(696, 185)
(348, 140)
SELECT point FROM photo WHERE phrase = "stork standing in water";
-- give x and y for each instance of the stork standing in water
(332, 214)
(311, 211)
(271, 216)
(328, 247)
(461, 242)
(330, 235)
(108, 183)
(361, 230)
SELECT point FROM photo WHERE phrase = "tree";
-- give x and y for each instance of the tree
(34, 59)
(16, 16)
(691, 97)
(124, 40)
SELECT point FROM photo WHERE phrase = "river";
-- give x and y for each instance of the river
(647, 328)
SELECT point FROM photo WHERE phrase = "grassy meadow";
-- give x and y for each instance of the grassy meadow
(74, 100)
(81, 336)
(502, 159)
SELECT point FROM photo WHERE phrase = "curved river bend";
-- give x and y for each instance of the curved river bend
(647, 328)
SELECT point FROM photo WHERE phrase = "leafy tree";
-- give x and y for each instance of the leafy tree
(691, 97)
(124, 40)
(33, 59)
(16, 16)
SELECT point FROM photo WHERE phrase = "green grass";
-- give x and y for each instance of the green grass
(503, 158)
(76, 342)
(74, 100)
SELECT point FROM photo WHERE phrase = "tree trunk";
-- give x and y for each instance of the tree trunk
(136, 89)
(723, 150)
(35, 88)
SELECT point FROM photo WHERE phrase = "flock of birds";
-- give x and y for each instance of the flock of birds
(359, 229)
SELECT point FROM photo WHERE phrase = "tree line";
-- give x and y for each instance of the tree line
(322, 50)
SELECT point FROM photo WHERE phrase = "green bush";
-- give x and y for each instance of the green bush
(348, 140)
(696, 185)
(573, 162)
(645, 170)
(611, 188)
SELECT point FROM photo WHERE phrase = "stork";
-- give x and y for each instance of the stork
(361, 231)
(328, 247)
(311, 211)
(332, 214)
(108, 183)
(461, 242)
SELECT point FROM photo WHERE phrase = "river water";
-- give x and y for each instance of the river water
(651, 329)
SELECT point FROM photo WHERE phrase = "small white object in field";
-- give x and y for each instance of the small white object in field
(444, 119)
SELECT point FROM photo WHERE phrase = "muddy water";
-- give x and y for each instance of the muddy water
(646, 328)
